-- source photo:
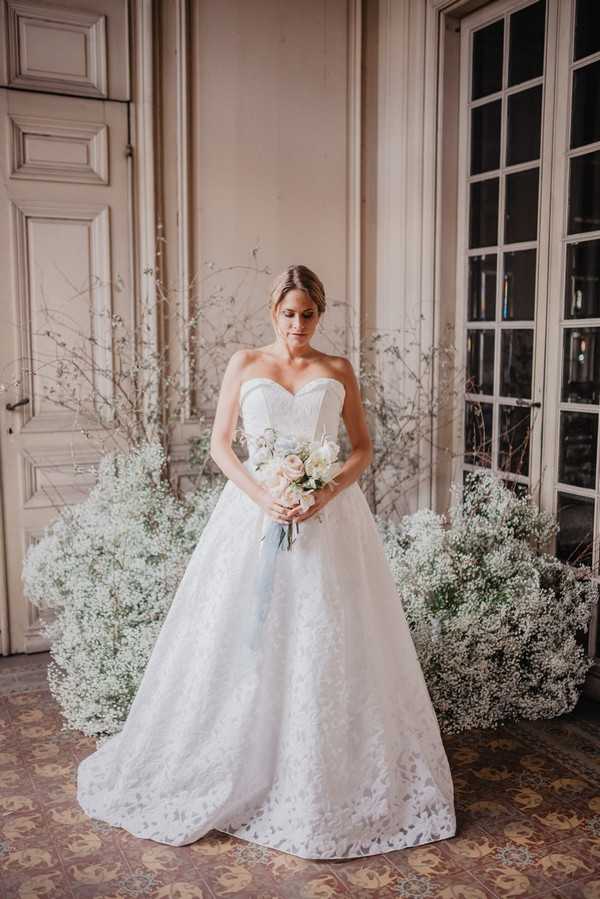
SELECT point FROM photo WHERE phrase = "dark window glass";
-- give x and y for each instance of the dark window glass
(584, 193)
(480, 361)
(478, 433)
(516, 362)
(581, 365)
(518, 487)
(487, 59)
(521, 213)
(578, 442)
(465, 479)
(482, 288)
(485, 137)
(585, 114)
(526, 48)
(587, 28)
(574, 540)
(518, 287)
(582, 280)
(483, 218)
(514, 439)
(524, 125)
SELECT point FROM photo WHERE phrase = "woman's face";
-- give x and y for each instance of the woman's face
(296, 317)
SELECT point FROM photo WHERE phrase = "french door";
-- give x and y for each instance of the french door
(529, 257)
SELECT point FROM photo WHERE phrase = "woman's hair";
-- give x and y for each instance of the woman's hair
(298, 277)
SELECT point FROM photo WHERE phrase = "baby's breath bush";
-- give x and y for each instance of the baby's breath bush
(108, 568)
(494, 618)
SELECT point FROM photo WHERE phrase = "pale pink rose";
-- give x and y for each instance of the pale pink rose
(293, 466)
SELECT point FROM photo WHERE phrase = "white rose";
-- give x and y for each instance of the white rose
(317, 462)
(315, 472)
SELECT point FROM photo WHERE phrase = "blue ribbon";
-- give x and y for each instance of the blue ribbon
(272, 541)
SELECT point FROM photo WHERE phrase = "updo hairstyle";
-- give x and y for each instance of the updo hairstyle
(298, 277)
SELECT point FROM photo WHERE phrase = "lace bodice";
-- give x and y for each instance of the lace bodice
(314, 408)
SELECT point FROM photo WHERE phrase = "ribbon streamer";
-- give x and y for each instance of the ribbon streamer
(272, 539)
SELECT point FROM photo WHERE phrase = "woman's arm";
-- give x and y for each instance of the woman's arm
(362, 448)
(226, 417)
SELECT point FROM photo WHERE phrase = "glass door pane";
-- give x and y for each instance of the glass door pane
(529, 257)
(504, 104)
(572, 395)
(577, 484)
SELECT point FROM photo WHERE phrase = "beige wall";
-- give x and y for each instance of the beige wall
(257, 143)
(265, 145)
(269, 149)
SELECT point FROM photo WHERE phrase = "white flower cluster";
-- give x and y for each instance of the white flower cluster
(108, 568)
(291, 467)
(497, 623)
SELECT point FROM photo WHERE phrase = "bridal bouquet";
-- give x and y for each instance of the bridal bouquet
(292, 467)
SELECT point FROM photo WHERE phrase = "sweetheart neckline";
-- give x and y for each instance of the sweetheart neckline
(289, 392)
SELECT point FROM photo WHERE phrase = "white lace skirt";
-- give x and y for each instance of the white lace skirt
(318, 739)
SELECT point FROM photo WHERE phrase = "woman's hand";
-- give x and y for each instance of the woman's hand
(273, 508)
(321, 497)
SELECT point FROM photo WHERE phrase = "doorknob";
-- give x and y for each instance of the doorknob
(11, 406)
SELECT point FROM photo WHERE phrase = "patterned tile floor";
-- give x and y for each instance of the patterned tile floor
(528, 804)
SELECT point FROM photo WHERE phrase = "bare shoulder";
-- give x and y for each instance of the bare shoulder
(239, 362)
(342, 368)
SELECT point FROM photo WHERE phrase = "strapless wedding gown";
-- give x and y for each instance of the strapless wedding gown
(319, 739)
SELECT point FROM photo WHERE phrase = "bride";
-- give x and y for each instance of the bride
(318, 736)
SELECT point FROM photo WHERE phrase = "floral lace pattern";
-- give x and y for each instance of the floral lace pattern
(323, 742)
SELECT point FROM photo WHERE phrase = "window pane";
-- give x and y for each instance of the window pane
(521, 214)
(480, 361)
(587, 28)
(482, 288)
(576, 522)
(584, 193)
(516, 362)
(485, 137)
(585, 115)
(582, 281)
(581, 365)
(514, 439)
(483, 227)
(578, 443)
(518, 288)
(524, 125)
(487, 59)
(518, 488)
(526, 49)
(478, 433)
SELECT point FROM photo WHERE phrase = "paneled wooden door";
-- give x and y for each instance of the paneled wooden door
(65, 232)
